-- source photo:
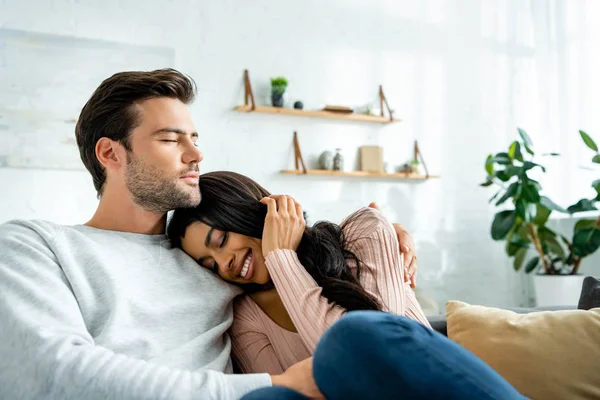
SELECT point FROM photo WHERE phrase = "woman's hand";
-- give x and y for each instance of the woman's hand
(407, 248)
(284, 224)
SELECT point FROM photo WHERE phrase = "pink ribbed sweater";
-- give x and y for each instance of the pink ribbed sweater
(260, 345)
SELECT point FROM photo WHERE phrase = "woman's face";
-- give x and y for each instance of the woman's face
(235, 258)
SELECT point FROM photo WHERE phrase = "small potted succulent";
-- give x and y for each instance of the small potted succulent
(278, 86)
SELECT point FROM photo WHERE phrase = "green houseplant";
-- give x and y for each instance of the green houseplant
(523, 224)
(278, 87)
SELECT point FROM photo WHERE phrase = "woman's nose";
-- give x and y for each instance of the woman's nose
(225, 263)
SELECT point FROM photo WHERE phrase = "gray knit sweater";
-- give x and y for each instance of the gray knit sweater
(94, 314)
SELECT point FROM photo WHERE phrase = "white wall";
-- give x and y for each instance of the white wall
(461, 74)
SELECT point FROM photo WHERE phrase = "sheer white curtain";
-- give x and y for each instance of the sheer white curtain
(547, 62)
(504, 64)
(545, 65)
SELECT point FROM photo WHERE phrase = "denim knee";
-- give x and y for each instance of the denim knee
(367, 326)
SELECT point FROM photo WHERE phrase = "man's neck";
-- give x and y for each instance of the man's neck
(117, 212)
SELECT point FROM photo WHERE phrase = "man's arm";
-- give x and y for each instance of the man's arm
(47, 353)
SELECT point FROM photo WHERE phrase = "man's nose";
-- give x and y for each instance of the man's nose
(192, 155)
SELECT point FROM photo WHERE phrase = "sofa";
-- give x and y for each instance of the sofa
(546, 353)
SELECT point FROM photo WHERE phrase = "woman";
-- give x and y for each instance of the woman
(298, 280)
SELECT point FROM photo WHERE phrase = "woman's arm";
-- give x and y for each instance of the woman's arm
(311, 313)
(374, 241)
(408, 251)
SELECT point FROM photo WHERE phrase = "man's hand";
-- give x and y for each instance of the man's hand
(408, 250)
(299, 377)
(284, 224)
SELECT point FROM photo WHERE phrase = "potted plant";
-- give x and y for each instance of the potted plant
(278, 86)
(522, 223)
(415, 165)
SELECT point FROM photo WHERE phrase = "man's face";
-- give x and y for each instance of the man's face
(162, 167)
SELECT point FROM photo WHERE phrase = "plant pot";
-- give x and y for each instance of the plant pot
(557, 290)
(277, 99)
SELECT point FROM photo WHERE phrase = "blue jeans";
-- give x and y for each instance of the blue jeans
(376, 355)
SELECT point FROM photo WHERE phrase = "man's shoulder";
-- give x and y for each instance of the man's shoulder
(33, 228)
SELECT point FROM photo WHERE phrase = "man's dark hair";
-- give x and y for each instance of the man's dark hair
(111, 112)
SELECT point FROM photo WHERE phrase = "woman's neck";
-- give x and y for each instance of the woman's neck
(272, 305)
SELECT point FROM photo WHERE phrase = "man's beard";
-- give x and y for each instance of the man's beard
(155, 191)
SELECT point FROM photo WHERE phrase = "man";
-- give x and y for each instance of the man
(107, 309)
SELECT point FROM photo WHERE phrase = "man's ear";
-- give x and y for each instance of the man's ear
(109, 153)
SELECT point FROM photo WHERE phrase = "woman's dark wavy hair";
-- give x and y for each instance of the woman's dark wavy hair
(230, 203)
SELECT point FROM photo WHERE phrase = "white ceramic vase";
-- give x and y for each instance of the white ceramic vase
(557, 290)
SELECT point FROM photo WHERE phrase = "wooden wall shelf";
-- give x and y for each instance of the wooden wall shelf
(364, 174)
(317, 114)
(250, 106)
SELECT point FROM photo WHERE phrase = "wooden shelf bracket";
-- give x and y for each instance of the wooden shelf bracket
(298, 154)
(382, 101)
(248, 95)
(418, 155)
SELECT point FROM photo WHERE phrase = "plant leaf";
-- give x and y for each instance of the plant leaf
(519, 258)
(524, 233)
(512, 170)
(486, 183)
(528, 149)
(586, 241)
(542, 214)
(596, 159)
(532, 264)
(514, 244)
(503, 222)
(510, 250)
(527, 165)
(501, 158)
(526, 139)
(583, 223)
(589, 142)
(503, 176)
(536, 184)
(581, 205)
(530, 194)
(566, 241)
(546, 233)
(510, 192)
(596, 186)
(549, 241)
(546, 202)
(489, 165)
(525, 210)
(514, 151)
(494, 196)
(556, 248)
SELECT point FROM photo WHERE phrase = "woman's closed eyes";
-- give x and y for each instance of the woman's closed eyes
(219, 240)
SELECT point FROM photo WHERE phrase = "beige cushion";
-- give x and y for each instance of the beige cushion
(545, 355)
